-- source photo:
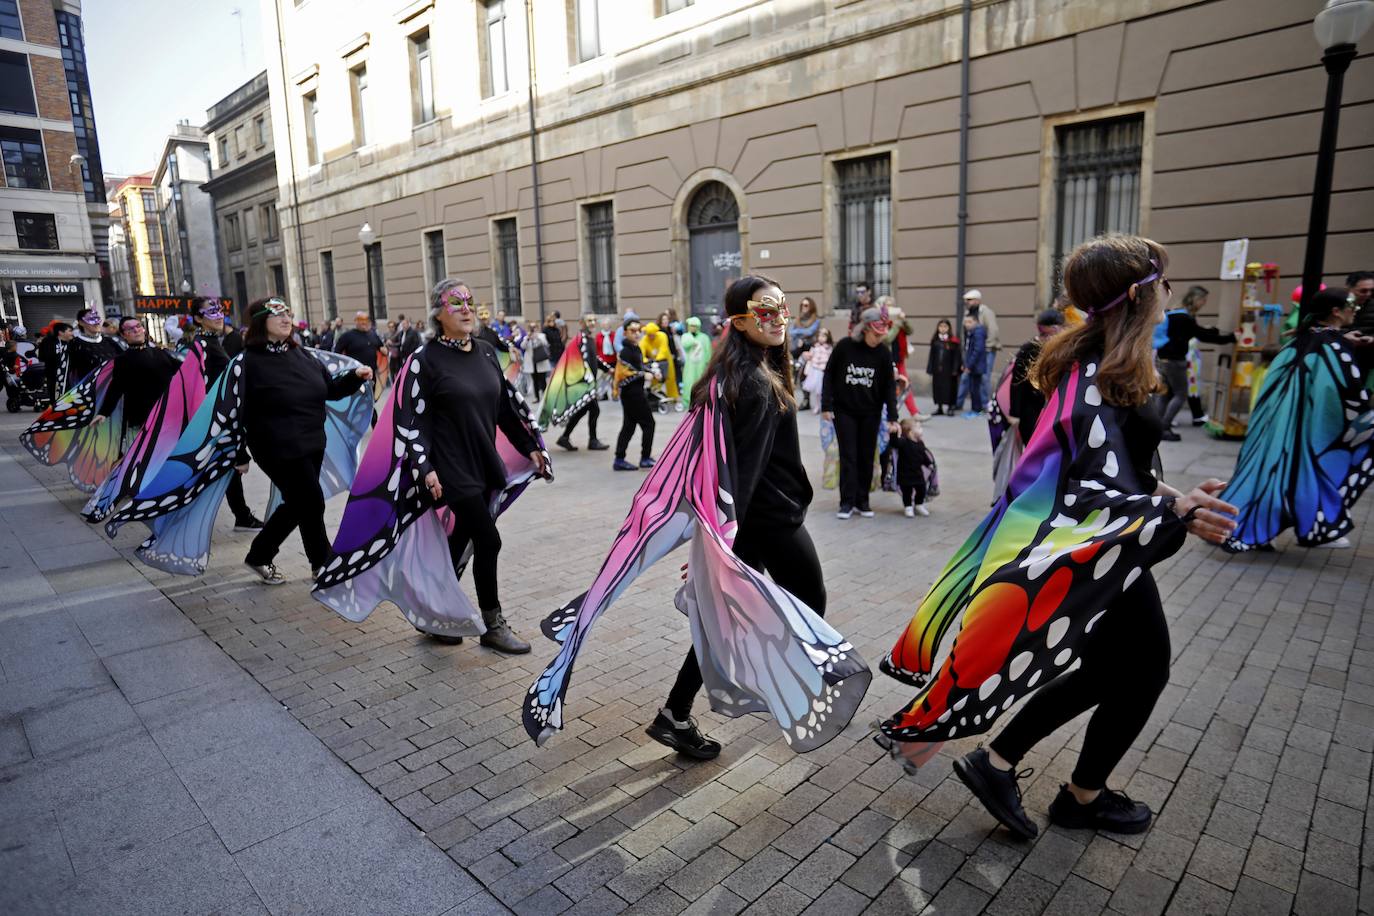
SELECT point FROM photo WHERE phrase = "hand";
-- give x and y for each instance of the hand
(1356, 339)
(364, 373)
(541, 464)
(436, 489)
(1207, 517)
(98, 420)
(684, 572)
(894, 429)
(828, 416)
(1014, 421)
(242, 468)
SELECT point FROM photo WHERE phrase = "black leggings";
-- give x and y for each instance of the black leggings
(298, 480)
(1125, 667)
(592, 411)
(857, 438)
(913, 493)
(789, 557)
(472, 522)
(637, 413)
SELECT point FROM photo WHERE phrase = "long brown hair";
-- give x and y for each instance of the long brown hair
(255, 335)
(1118, 339)
(737, 357)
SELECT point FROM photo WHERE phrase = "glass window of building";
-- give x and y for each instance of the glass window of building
(16, 88)
(223, 152)
(359, 77)
(260, 131)
(497, 79)
(270, 227)
(1097, 182)
(436, 266)
(588, 17)
(10, 25)
(149, 204)
(375, 269)
(241, 287)
(240, 142)
(331, 299)
(36, 231)
(422, 78)
(231, 232)
(278, 280)
(25, 166)
(250, 226)
(864, 192)
(672, 6)
(599, 230)
(83, 112)
(508, 265)
(311, 103)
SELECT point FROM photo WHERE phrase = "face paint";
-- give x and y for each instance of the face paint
(768, 310)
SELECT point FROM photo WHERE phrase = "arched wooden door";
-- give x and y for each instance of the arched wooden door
(713, 232)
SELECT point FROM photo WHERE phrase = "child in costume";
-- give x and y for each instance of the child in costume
(813, 369)
(944, 364)
(914, 468)
(696, 353)
(731, 481)
(1059, 571)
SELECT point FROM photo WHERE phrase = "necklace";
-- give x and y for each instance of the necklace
(279, 347)
(453, 343)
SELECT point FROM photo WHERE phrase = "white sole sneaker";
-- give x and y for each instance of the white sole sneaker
(909, 512)
(865, 513)
(1337, 544)
(922, 511)
(267, 574)
(844, 514)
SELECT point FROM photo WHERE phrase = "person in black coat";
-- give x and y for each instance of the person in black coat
(633, 375)
(944, 366)
(89, 347)
(1181, 325)
(360, 342)
(210, 334)
(52, 349)
(140, 377)
(1027, 401)
(284, 395)
(859, 382)
(913, 457)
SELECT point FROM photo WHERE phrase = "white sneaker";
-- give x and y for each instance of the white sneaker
(865, 513)
(844, 514)
(1337, 544)
(922, 511)
(909, 512)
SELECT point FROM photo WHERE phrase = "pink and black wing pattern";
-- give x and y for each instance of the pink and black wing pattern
(63, 433)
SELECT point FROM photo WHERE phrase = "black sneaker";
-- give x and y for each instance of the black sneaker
(247, 524)
(597, 445)
(1170, 436)
(566, 444)
(997, 790)
(1112, 811)
(646, 463)
(686, 740)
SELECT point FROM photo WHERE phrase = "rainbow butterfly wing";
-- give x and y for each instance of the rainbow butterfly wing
(571, 386)
(1306, 458)
(63, 433)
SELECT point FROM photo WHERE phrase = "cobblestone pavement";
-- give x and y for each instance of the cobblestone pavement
(1257, 758)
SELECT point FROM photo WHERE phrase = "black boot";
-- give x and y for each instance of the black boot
(500, 636)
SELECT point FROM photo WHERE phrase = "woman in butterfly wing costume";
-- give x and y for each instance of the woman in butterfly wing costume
(454, 446)
(1058, 572)
(66, 434)
(731, 481)
(1307, 454)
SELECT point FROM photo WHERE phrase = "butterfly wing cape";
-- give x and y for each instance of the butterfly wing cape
(392, 543)
(571, 386)
(64, 434)
(1006, 445)
(1307, 453)
(760, 649)
(155, 441)
(1074, 528)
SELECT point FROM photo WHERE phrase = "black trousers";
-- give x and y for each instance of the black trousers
(789, 557)
(857, 438)
(592, 412)
(1125, 667)
(234, 497)
(914, 492)
(538, 384)
(472, 523)
(637, 414)
(302, 507)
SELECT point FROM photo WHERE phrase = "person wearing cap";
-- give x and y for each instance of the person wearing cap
(859, 382)
(985, 316)
(209, 318)
(140, 377)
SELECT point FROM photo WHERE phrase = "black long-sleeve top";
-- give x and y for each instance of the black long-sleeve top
(85, 355)
(912, 459)
(771, 486)
(859, 380)
(361, 345)
(284, 394)
(945, 358)
(465, 400)
(1026, 400)
(141, 376)
(632, 356)
(1183, 327)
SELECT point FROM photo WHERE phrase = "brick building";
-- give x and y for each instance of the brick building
(679, 144)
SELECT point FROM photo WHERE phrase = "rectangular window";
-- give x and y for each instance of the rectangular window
(1097, 182)
(599, 229)
(331, 301)
(149, 204)
(231, 232)
(278, 280)
(588, 29)
(864, 193)
(497, 79)
(223, 152)
(267, 215)
(240, 143)
(241, 290)
(311, 103)
(672, 6)
(436, 267)
(25, 166)
(16, 87)
(250, 226)
(374, 269)
(422, 78)
(36, 230)
(359, 77)
(508, 265)
(10, 26)
(260, 131)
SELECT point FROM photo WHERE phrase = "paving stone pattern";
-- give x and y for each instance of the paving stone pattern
(1257, 758)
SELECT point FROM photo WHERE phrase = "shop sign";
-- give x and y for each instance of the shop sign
(172, 305)
(49, 289)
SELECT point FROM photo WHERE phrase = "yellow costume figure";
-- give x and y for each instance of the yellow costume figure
(654, 346)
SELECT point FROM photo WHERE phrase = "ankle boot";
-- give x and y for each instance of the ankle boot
(500, 636)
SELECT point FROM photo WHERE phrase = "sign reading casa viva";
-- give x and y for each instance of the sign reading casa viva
(173, 305)
(49, 289)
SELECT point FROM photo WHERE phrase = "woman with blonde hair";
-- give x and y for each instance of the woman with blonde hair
(1059, 571)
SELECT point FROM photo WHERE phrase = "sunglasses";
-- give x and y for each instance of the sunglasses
(768, 310)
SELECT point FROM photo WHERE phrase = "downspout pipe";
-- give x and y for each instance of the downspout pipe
(959, 279)
(291, 159)
(534, 160)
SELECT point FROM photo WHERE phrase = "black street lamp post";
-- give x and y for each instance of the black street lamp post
(1339, 26)
(368, 237)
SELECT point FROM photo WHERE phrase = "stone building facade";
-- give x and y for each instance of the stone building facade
(244, 189)
(140, 244)
(186, 213)
(816, 141)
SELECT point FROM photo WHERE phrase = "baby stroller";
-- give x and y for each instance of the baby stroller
(26, 387)
(654, 387)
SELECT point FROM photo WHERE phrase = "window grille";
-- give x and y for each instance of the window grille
(600, 232)
(1097, 182)
(864, 189)
(508, 266)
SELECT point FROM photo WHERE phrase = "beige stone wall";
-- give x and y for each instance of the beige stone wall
(772, 93)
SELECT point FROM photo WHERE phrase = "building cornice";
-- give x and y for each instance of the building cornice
(249, 172)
